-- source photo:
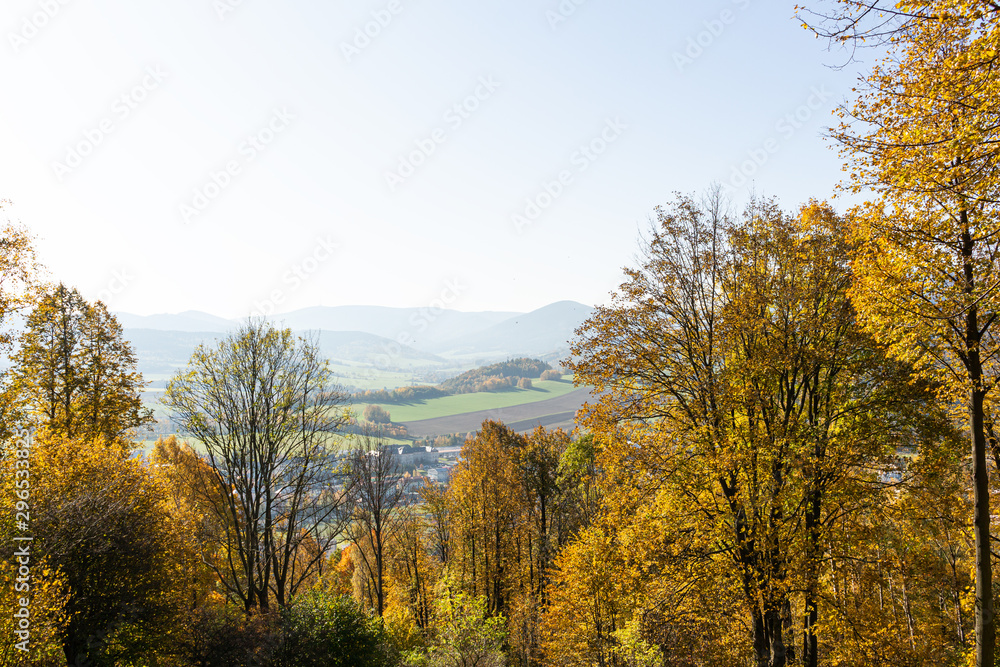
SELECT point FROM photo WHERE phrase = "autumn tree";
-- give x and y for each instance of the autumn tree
(465, 634)
(922, 135)
(189, 482)
(100, 520)
(263, 405)
(414, 570)
(579, 483)
(376, 499)
(585, 607)
(739, 399)
(900, 575)
(376, 414)
(877, 24)
(435, 504)
(512, 503)
(486, 537)
(19, 282)
(45, 586)
(19, 274)
(74, 371)
(538, 465)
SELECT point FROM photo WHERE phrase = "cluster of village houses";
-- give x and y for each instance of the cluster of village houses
(423, 465)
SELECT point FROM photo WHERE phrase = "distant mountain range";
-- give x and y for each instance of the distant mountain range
(538, 333)
(375, 335)
(191, 320)
(424, 326)
(163, 352)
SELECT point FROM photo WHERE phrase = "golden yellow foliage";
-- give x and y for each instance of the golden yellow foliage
(106, 523)
(923, 134)
(747, 419)
(41, 585)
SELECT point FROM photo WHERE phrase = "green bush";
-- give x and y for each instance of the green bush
(464, 634)
(325, 630)
(318, 630)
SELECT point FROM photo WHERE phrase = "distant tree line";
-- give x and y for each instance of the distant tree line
(442, 441)
(503, 376)
(401, 395)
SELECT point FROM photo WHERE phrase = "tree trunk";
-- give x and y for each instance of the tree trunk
(985, 619)
(761, 646)
(778, 657)
(809, 641)
(75, 649)
(812, 525)
(380, 567)
(788, 629)
(956, 590)
(909, 613)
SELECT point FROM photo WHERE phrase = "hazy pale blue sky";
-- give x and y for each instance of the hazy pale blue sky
(231, 156)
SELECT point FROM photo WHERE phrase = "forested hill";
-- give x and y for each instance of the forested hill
(494, 377)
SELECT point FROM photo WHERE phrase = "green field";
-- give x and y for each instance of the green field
(447, 406)
(146, 445)
(358, 375)
(363, 377)
(368, 377)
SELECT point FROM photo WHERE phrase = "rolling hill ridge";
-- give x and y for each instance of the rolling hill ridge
(374, 336)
